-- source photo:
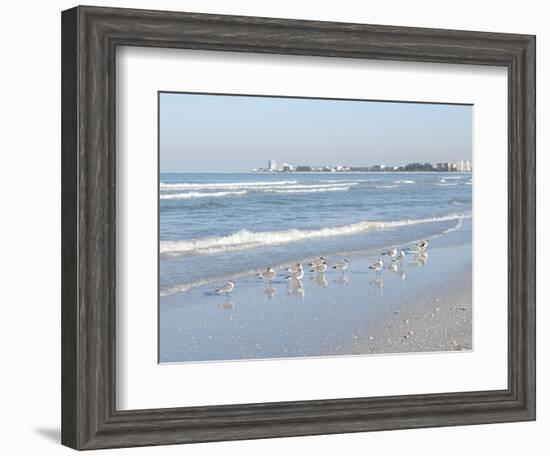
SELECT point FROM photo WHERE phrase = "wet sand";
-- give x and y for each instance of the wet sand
(421, 307)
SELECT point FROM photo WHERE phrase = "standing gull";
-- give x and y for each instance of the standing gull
(227, 288)
(400, 257)
(321, 267)
(296, 275)
(294, 268)
(422, 245)
(268, 275)
(317, 262)
(377, 266)
(341, 265)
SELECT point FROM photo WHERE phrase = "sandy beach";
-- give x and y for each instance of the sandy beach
(421, 307)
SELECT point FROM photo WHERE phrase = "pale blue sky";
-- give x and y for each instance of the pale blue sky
(231, 133)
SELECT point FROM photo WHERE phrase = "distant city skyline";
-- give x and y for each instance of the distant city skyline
(275, 166)
(232, 133)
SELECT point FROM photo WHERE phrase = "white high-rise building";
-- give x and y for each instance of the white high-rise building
(273, 165)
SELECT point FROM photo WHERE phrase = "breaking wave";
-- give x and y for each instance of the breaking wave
(200, 195)
(234, 189)
(310, 190)
(245, 239)
(196, 186)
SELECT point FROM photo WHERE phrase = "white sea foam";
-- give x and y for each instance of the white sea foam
(386, 186)
(245, 239)
(310, 190)
(344, 181)
(256, 187)
(446, 184)
(455, 227)
(221, 185)
(403, 182)
(189, 195)
(308, 186)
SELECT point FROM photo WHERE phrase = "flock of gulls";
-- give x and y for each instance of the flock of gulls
(295, 272)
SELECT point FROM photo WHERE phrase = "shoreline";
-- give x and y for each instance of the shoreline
(421, 308)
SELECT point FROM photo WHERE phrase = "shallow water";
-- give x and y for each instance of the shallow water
(216, 227)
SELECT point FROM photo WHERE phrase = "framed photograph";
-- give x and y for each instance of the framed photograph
(279, 228)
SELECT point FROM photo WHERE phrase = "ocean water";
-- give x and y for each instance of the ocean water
(214, 227)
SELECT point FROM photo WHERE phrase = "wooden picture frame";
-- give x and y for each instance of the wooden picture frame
(90, 36)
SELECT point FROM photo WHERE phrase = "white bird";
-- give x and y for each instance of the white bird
(391, 253)
(294, 268)
(377, 266)
(269, 274)
(296, 275)
(322, 267)
(400, 257)
(227, 288)
(341, 265)
(422, 245)
(318, 261)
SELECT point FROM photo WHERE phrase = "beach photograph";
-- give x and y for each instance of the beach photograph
(294, 227)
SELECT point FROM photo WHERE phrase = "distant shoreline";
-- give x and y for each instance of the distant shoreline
(354, 172)
(314, 172)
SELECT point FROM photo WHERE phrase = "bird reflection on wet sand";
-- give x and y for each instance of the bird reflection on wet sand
(296, 288)
(270, 292)
(341, 280)
(377, 283)
(421, 259)
(228, 306)
(321, 280)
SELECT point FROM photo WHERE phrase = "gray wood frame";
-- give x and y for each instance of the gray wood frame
(90, 36)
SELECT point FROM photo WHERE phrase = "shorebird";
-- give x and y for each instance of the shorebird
(422, 245)
(296, 275)
(317, 262)
(227, 288)
(391, 253)
(268, 275)
(321, 267)
(377, 266)
(341, 265)
(294, 267)
(399, 257)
